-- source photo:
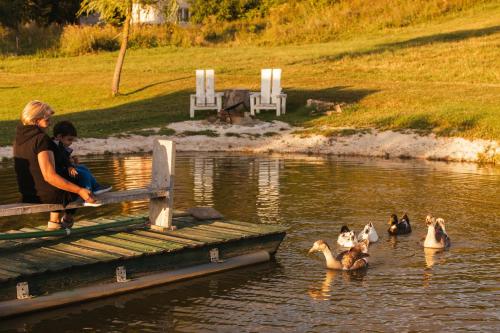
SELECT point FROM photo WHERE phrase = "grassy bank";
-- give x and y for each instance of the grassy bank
(442, 77)
(265, 22)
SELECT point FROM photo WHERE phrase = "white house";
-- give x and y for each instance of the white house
(156, 14)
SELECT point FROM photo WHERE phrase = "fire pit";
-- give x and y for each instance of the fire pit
(235, 103)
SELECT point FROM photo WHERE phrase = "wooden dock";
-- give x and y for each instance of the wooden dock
(51, 266)
(113, 255)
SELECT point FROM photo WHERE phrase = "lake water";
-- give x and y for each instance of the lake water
(405, 288)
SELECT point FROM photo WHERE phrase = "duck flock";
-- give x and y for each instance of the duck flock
(355, 255)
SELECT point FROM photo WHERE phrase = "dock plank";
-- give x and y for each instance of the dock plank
(46, 260)
(207, 233)
(101, 256)
(232, 226)
(163, 236)
(21, 267)
(265, 228)
(7, 275)
(148, 241)
(28, 229)
(134, 246)
(225, 231)
(65, 254)
(190, 234)
(115, 250)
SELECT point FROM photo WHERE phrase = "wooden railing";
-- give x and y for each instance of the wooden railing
(159, 193)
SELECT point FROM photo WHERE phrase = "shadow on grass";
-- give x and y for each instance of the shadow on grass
(297, 112)
(156, 84)
(424, 123)
(414, 42)
(160, 110)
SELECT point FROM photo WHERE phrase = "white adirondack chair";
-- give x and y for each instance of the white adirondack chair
(270, 96)
(205, 98)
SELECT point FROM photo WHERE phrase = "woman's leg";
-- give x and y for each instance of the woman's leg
(60, 219)
(55, 217)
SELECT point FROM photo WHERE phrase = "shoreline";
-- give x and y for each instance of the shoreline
(279, 137)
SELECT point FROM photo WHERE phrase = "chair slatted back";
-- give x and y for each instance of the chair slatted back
(265, 86)
(210, 86)
(200, 87)
(276, 85)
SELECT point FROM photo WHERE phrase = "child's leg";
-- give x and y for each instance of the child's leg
(85, 177)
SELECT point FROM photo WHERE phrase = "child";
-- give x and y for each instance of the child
(67, 166)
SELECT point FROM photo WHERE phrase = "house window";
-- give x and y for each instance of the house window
(183, 15)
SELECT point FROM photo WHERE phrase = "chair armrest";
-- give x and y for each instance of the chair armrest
(254, 94)
(219, 94)
(279, 95)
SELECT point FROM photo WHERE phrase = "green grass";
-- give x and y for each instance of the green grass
(209, 133)
(441, 78)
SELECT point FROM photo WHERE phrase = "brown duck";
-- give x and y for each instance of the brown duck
(354, 258)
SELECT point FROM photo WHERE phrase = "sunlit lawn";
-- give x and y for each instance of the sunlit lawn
(443, 78)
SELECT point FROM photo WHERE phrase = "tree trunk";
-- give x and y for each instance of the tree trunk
(123, 49)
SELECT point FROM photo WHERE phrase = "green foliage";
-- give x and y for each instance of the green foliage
(11, 13)
(225, 10)
(76, 40)
(79, 40)
(43, 12)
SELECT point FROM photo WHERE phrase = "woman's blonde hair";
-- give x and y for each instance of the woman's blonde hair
(34, 111)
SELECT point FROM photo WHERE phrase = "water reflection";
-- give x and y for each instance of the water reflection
(268, 197)
(432, 257)
(203, 181)
(323, 291)
(326, 289)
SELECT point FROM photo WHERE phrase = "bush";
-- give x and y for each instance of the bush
(29, 39)
(77, 40)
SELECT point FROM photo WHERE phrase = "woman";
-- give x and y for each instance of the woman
(35, 167)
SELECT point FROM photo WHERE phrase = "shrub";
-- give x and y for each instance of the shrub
(77, 40)
(29, 39)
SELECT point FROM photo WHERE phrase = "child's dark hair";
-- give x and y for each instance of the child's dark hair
(64, 128)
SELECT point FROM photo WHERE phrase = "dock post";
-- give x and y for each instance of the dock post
(160, 209)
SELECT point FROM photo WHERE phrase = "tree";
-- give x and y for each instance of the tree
(109, 10)
(43, 12)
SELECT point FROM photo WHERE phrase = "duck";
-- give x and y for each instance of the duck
(400, 227)
(436, 238)
(369, 233)
(353, 259)
(346, 238)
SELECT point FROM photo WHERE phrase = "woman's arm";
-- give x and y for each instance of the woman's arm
(46, 162)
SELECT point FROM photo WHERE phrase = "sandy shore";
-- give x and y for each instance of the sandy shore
(278, 137)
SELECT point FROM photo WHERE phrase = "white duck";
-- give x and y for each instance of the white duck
(369, 233)
(354, 258)
(347, 238)
(436, 238)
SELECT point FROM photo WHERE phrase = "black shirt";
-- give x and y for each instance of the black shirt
(62, 157)
(30, 141)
